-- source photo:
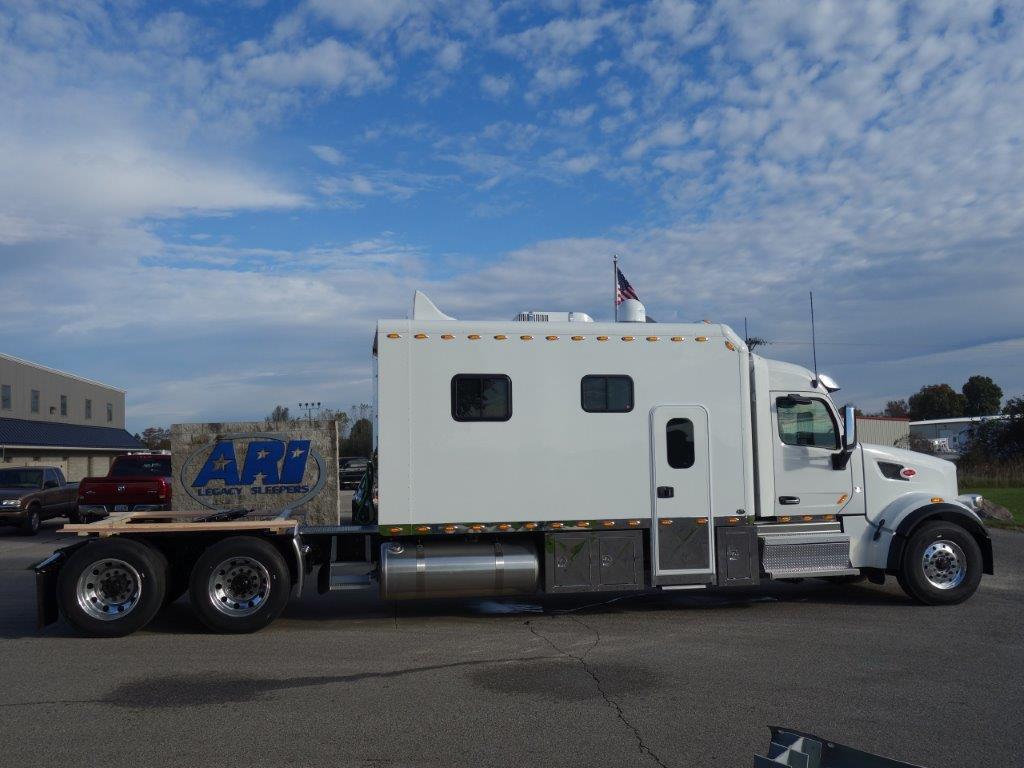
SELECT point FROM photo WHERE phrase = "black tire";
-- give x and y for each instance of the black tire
(954, 558)
(255, 589)
(30, 525)
(103, 556)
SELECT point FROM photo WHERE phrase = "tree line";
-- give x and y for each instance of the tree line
(979, 396)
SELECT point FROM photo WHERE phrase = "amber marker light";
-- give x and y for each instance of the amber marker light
(501, 337)
(677, 338)
(830, 517)
(477, 527)
(577, 338)
(730, 346)
(842, 499)
(474, 336)
(421, 336)
(394, 336)
(608, 523)
(733, 520)
(423, 529)
(557, 525)
(937, 499)
(450, 528)
(702, 521)
(652, 338)
(634, 523)
(627, 338)
(665, 522)
(785, 518)
(526, 338)
(530, 526)
(602, 338)
(807, 518)
(447, 336)
(504, 527)
(394, 530)
(583, 524)
(551, 338)
(701, 338)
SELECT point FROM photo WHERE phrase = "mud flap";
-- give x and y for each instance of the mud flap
(47, 572)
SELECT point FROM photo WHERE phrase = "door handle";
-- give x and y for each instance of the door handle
(789, 499)
(666, 492)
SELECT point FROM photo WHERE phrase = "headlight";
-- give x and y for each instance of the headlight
(10, 503)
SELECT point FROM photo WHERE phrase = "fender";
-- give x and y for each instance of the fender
(953, 513)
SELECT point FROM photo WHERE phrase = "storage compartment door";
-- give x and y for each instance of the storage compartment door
(681, 524)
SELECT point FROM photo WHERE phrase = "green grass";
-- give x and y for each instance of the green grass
(1011, 498)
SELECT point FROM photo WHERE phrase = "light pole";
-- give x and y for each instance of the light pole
(310, 408)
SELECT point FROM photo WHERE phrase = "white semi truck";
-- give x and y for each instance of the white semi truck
(555, 454)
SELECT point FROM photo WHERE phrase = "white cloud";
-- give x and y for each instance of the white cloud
(670, 134)
(575, 117)
(550, 79)
(496, 86)
(328, 64)
(327, 154)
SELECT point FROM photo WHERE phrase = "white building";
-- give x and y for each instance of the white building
(949, 437)
(48, 417)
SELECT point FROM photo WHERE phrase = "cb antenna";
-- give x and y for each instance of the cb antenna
(814, 346)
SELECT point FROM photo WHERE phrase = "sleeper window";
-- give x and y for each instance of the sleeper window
(806, 424)
(481, 397)
(606, 394)
(679, 443)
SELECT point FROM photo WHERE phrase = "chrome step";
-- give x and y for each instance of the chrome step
(348, 575)
(798, 555)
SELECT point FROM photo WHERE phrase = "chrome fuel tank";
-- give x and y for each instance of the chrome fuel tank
(457, 569)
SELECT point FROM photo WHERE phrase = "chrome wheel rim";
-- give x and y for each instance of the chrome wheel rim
(109, 589)
(239, 586)
(944, 564)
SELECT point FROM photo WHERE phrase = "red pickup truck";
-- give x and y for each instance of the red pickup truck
(136, 482)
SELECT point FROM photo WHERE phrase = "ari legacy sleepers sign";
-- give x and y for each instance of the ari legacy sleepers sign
(264, 467)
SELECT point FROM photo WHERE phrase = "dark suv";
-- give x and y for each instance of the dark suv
(351, 470)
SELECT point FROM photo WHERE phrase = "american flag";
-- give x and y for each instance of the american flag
(623, 290)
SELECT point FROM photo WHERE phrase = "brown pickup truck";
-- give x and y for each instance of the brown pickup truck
(29, 495)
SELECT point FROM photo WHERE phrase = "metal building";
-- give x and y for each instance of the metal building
(54, 418)
(884, 430)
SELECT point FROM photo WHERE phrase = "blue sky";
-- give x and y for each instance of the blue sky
(210, 203)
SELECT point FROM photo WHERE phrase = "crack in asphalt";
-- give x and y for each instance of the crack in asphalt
(581, 659)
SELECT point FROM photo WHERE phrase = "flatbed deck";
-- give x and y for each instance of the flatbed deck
(177, 522)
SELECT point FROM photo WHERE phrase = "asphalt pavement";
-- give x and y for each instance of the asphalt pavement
(670, 679)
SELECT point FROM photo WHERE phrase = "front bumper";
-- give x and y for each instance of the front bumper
(90, 510)
(12, 515)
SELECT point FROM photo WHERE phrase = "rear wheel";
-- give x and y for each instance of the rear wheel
(941, 565)
(112, 588)
(30, 525)
(239, 585)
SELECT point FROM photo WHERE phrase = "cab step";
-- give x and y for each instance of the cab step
(346, 576)
(787, 555)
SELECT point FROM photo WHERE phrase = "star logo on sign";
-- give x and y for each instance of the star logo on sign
(259, 477)
(220, 463)
(262, 454)
(297, 452)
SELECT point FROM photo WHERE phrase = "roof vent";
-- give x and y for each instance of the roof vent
(632, 311)
(553, 317)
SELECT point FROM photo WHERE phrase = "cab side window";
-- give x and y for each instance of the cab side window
(807, 423)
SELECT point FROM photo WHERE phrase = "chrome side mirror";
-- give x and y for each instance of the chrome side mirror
(850, 427)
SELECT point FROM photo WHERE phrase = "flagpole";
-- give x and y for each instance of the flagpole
(615, 285)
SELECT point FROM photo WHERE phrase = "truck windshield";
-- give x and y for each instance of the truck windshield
(21, 478)
(141, 468)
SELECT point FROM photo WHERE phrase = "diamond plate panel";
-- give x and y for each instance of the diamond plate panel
(801, 558)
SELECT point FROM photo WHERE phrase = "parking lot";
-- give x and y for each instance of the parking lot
(673, 679)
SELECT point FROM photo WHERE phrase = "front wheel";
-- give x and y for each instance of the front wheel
(941, 565)
(240, 584)
(112, 587)
(30, 525)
